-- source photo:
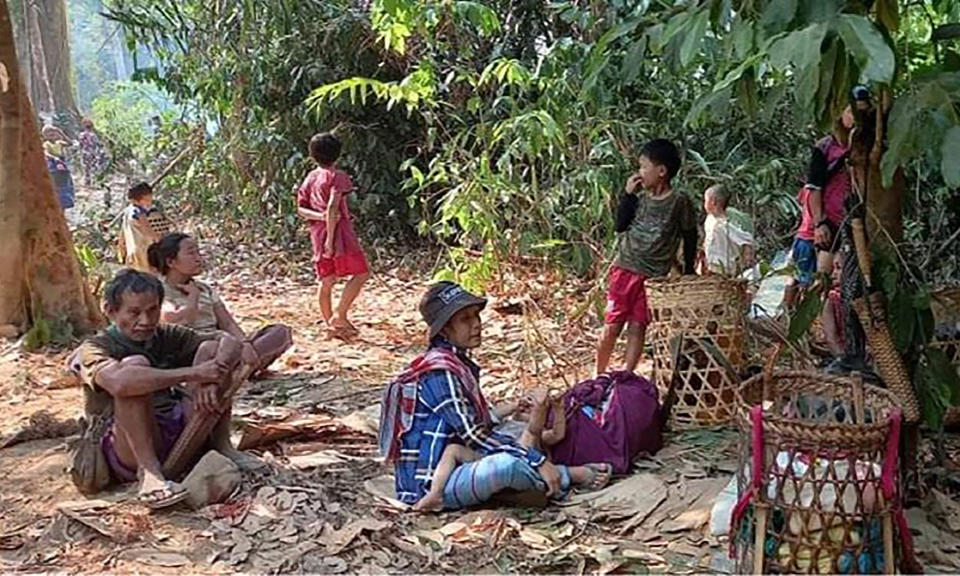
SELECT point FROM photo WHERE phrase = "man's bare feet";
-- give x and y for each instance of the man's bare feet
(430, 503)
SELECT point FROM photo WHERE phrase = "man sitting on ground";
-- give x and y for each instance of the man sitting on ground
(437, 402)
(132, 374)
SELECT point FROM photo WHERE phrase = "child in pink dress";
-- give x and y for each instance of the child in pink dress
(322, 202)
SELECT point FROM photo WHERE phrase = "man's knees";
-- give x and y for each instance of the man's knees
(207, 351)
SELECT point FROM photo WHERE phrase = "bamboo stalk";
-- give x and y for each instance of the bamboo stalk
(863, 251)
(759, 539)
(889, 565)
(198, 429)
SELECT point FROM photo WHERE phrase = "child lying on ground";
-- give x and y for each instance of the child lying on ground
(534, 436)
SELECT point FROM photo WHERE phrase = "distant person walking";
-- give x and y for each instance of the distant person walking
(93, 158)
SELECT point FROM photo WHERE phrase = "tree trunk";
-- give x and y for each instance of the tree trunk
(884, 205)
(41, 275)
(12, 309)
(47, 68)
(57, 50)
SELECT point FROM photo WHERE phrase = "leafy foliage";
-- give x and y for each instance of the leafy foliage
(807, 311)
(122, 113)
(243, 71)
(505, 130)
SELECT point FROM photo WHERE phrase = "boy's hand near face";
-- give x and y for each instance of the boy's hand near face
(633, 182)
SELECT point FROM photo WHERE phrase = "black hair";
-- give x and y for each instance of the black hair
(721, 195)
(325, 148)
(860, 93)
(130, 280)
(817, 172)
(664, 153)
(139, 190)
(162, 251)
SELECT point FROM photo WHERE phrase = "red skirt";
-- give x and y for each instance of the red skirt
(348, 257)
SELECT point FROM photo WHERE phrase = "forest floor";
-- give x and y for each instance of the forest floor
(324, 504)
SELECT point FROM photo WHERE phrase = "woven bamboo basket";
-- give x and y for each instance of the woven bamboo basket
(824, 498)
(699, 340)
(890, 365)
(946, 313)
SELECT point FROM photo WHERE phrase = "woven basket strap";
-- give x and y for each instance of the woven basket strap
(888, 485)
(756, 474)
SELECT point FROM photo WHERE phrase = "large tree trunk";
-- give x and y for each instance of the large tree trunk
(41, 275)
(45, 34)
(884, 217)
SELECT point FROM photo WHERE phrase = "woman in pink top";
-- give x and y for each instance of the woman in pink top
(322, 202)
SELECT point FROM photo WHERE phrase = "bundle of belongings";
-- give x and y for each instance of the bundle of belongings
(612, 418)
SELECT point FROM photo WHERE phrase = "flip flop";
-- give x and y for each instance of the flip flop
(170, 495)
(602, 473)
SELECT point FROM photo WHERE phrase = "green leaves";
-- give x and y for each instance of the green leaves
(938, 386)
(801, 49)
(870, 49)
(632, 62)
(805, 314)
(779, 13)
(903, 320)
(950, 157)
(416, 90)
(507, 71)
(479, 15)
(692, 36)
(925, 122)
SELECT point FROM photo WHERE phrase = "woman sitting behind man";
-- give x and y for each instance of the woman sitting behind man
(195, 304)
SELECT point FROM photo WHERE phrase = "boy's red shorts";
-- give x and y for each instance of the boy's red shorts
(627, 298)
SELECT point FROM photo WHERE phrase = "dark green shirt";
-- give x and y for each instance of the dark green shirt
(170, 347)
(649, 246)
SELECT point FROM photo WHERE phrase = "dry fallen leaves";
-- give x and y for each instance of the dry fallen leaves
(337, 540)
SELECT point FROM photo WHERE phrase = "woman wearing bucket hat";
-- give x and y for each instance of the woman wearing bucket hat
(437, 401)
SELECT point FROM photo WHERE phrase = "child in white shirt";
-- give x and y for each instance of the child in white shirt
(728, 249)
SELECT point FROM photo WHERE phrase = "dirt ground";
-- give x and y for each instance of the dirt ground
(322, 506)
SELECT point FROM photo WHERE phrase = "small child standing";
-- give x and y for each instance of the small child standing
(322, 202)
(143, 224)
(727, 248)
(653, 224)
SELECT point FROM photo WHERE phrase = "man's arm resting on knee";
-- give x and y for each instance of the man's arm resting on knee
(125, 380)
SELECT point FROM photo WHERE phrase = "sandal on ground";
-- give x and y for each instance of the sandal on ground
(170, 495)
(601, 475)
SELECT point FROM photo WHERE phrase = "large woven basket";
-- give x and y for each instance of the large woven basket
(822, 446)
(946, 313)
(699, 339)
